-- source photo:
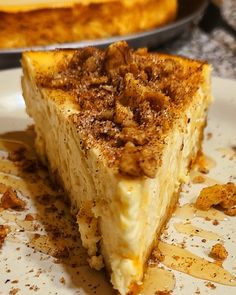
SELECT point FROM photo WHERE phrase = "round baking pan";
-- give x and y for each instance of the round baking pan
(189, 14)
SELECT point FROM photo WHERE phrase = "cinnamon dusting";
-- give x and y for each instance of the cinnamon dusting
(127, 101)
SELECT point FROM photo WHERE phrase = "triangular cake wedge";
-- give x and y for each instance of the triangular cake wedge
(119, 130)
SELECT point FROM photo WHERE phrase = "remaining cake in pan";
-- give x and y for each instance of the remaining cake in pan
(25, 23)
(119, 130)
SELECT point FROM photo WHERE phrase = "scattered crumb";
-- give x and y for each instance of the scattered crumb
(163, 293)
(10, 200)
(223, 195)
(198, 179)
(62, 280)
(203, 170)
(204, 240)
(204, 163)
(157, 256)
(215, 222)
(49, 246)
(176, 257)
(34, 288)
(183, 244)
(14, 291)
(209, 135)
(218, 252)
(39, 272)
(3, 233)
(210, 285)
(15, 282)
(29, 217)
(197, 291)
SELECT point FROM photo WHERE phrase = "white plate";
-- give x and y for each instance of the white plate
(221, 123)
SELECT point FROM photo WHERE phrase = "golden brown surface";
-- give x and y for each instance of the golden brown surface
(128, 101)
(82, 22)
(222, 195)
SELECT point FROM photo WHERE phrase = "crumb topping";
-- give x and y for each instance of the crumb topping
(126, 100)
(221, 195)
(218, 252)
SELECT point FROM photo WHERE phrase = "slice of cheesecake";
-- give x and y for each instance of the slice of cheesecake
(118, 130)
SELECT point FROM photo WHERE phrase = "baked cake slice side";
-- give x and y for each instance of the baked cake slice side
(120, 215)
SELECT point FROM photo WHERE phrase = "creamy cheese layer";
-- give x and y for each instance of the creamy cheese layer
(119, 216)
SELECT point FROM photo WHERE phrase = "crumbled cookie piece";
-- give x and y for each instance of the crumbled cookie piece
(218, 252)
(3, 233)
(29, 217)
(48, 245)
(10, 200)
(223, 195)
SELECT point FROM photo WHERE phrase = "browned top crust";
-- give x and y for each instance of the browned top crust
(128, 100)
